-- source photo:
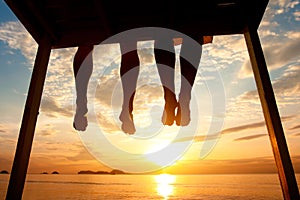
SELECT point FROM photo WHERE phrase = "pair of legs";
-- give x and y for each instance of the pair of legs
(165, 58)
(83, 68)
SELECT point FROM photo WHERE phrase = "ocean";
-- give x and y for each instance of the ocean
(137, 187)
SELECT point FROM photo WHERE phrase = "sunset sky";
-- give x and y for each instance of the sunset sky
(227, 133)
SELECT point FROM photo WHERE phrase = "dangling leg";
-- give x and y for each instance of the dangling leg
(165, 60)
(129, 72)
(190, 55)
(83, 68)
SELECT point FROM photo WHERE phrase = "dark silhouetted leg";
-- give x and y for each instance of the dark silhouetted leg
(190, 55)
(83, 68)
(129, 74)
(165, 60)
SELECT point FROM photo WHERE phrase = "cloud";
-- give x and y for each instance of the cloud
(59, 82)
(8, 142)
(198, 138)
(286, 88)
(109, 102)
(51, 108)
(2, 129)
(83, 155)
(16, 37)
(232, 166)
(46, 130)
(243, 127)
(286, 5)
(201, 138)
(252, 125)
(106, 57)
(250, 137)
(224, 51)
(107, 123)
(295, 127)
(107, 87)
(9, 131)
(279, 36)
(146, 52)
(276, 55)
(297, 16)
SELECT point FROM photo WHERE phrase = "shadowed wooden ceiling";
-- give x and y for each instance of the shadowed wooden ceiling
(70, 23)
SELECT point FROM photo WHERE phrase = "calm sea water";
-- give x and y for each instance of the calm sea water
(136, 187)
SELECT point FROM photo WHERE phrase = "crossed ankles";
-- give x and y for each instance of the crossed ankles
(168, 116)
(182, 117)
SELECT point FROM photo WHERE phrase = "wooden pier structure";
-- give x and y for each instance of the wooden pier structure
(70, 23)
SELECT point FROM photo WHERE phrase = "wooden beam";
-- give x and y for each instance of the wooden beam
(280, 149)
(80, 37)
(43, 21)
(20, 165)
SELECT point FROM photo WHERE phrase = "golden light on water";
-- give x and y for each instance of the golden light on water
(165, 186)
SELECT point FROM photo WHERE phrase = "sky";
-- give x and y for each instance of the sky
(227, 133)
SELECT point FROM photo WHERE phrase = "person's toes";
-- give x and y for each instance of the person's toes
(80, 119)
(80, 122)
(127, 122)
(128, 127)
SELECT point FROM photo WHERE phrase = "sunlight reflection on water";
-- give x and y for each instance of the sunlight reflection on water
(165, 186)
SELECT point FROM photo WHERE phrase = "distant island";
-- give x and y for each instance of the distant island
(54, 172)
(4, 172)
(112, 172)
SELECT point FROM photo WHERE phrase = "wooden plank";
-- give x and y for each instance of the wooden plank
(280, 149)
(20, 165)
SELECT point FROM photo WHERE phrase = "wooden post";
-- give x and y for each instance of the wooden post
(280, 149)
(20, 165)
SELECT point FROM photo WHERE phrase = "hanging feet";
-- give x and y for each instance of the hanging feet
(183, 114)
(181, 117)
(127, 121)
(168, 116)
(80, 119)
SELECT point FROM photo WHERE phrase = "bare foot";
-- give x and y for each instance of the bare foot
(80, 120)
(127, 122)
(183, 114)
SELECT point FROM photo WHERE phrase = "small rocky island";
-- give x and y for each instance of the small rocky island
(112, 172)
(4, 172)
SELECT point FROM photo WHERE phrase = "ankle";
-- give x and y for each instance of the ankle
(184, 99)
